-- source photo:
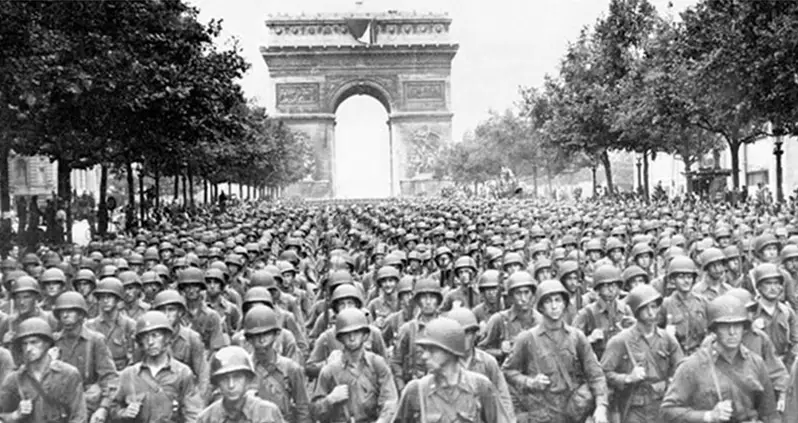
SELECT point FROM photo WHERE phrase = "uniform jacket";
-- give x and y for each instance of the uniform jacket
(61, 382)
(253, 410)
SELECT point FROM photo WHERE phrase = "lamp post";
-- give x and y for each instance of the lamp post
(778, 152)
(639, 174)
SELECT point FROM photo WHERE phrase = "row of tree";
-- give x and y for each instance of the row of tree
(721, 75)
(127, 84)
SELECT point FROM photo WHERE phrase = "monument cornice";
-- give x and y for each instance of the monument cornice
(438, 49)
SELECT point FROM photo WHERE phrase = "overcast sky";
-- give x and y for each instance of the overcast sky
(504, 44)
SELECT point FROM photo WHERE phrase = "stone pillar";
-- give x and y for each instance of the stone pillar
(415, 137)
(320, 129)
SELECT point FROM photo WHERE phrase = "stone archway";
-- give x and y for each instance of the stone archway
(315, 63)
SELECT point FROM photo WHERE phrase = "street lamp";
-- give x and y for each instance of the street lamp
(778, 152)
(639, 174)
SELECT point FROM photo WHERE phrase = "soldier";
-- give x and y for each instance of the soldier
(603, 319)
(158, 389)
(713, 283)
(230, 314)
(88, 352)
(479, 361)
(291, 346)
(639, 361)
(201, 318)
(388, 303)
(723, 381)
(53, 282)
(24, 295)
(118, 329)
(406, 363)
(355, 385)
(491, 302)
(133, 305)
(504, 326)
(464, 295)
(450, 393)
(185, 344)
(44, 389)
(151, 285)
(285, 304)
(277, 378)
(404, 294)
(684, 313)
(232, 372)
(344, 297)
(553, 368)
(290, 285)
(772, 316)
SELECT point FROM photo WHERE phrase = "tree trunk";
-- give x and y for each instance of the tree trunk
(605, 160)
(65, 196)
(240, 191)
(734, 149)
(190, 186)
(551, 183)
(157, 173)
(185, 191)
(535, 181)
(177, 186)
(689, 181)
(595, 181)
(130, 210)
(646, 187)
(102, 209)
(229, 189)
(142, 209)
(5, 204)
(204, 191)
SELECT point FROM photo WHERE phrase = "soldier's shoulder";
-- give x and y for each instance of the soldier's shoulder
(261, 409)
(478, 381)
(64, 368)
(376, 360)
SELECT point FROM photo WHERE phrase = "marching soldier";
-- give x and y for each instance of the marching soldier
(713, 283)
(406, 363)
(44, 389)
(684, 313)
(553, 368)
(450, 393)
(201, 318)
(388, 303)
(639, 361)
(404, 294)
(232, 373)
(774, 317)
(464, 295)
(355, 385)
(53, 282)
(491, 302)
(504, 326)
(25, 295)
(723, 381)
(603, 319)
(88, 352)
(118, 329)
(230, 314)
(159, 388)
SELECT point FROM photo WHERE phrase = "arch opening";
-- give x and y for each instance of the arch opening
(362, 156)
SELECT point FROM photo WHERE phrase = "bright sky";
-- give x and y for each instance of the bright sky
(504, 44)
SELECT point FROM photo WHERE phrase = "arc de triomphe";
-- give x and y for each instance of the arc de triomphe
(402, 59)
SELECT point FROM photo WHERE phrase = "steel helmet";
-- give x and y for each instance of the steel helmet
(594, 245)
(542, 264)
(732, 252)
(31, 259)
(34, 326)
(347, 291)
(150, 277)
(743, 295)
(632, 272)
(394, 259)
(722, 231)
(567, 267)
(606, 274)
(512, 258)
(25, 284)
(441, 251)
(711, 255)
(234, 259)
(121, 264)
(231, 359)
(350, 320)
(215, 275)
(262, 278)
(168, 297)
(641, 296)
(84, 275)
(641, 248)
(108, 270)
(405, 284)
(260, 319)
(726, 309)
(257, 294)
(682, 264)
(464, 316)
(152, 320)
(70, 300)
(165, 246)
(427, 286)
(765, 271)
(446, 334)
(614, 244)
(386, 272)
(789, 251)
(285, 266)
(550, 287)
(151, 254)
(129, 277)
(135, 259)
(520, 279)
(161, 270)
(53, 274)
(112, 286)
(489, 279)
(763, 241)
(465, 262)
(191, 276)
(492, 254)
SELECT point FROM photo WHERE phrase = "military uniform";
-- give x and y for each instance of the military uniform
(134, 310)
(63, 399)
(601, 315)
(120, 335)
(688, 314)
(505, 325)
(710, 291)
(781, 325)
(253, 410)
(281, 381)
(327, 343)
(207, 323)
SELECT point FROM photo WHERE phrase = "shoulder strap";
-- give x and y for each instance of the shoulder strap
(47, 398)
(560, 366)
(89, 360)
(421, 405)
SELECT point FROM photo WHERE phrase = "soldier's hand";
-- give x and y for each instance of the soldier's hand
(507, 347)
(596, 335)
(25, 407)
(99, 416)
(600, 415)
(781, 404)
(538, 383)
(722, 411)
(638, 374)
(671, 330)
(339, 393)
(8, 337)
(132, 410)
